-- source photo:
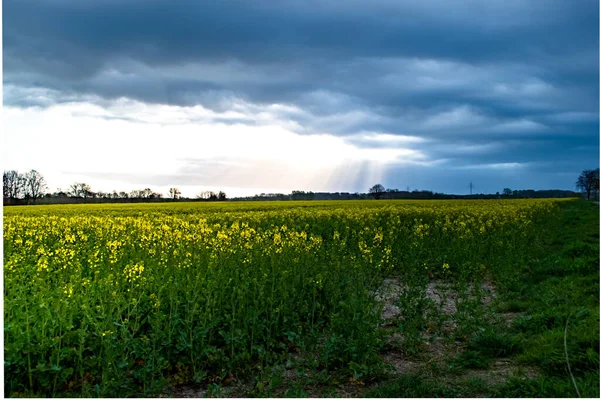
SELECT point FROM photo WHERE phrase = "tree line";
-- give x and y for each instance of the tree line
(396, 194)
(31, 188)
(379, 192)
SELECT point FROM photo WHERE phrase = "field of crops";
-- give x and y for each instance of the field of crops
(117, 300)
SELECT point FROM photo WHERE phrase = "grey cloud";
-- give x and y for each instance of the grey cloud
(238, 44)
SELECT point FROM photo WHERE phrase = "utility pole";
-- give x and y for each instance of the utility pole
(471, 186)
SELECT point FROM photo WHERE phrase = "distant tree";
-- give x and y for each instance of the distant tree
(86, 191)
(123, 195)
(301, 195)
(207, 195)
(588, 181)
(377, 191)
(297, 194)
(222, 196)
(507, 192)
(80, 189)
(142, 194)
(12, 184)
(174, 193)
(35, 185)
(73, 190)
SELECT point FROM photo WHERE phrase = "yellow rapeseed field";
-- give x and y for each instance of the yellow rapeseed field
(112, 299)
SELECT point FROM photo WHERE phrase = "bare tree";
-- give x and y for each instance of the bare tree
(377, 191)
(207, 195)
(73, 190)
(174, 193)
(588, 181)
(222, 196)
(12, 184)
(80, 189)
(144, 194)
(35, 185)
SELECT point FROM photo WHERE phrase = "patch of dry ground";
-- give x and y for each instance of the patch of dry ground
(501, 370)
(233, 390)
(388, 294)
(435, 349)
(185, 392)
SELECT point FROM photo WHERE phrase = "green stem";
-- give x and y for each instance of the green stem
(28, 352)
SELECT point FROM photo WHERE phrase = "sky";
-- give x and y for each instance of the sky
(262, 96)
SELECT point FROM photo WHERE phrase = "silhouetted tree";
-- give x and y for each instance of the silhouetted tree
(142, 194)
(302, 195)
(174, 193)
(12, 185)
(35, 185)
(73, 190)
(222, 196)
(507, 192)
(377, 191)
(207, 195)
(588, 181)
(80, 189)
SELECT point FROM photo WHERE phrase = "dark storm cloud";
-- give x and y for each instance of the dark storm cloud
(69, 43)
(482, 82)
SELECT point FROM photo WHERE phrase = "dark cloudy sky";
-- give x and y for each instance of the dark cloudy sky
(252, 96)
